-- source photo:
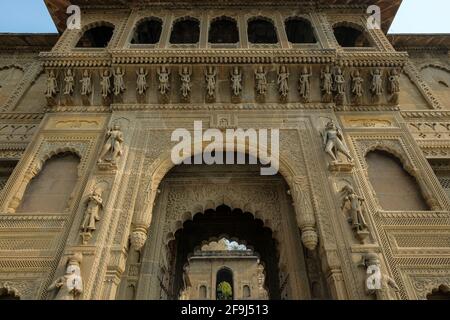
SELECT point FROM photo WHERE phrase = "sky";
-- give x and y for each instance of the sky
(414, 16)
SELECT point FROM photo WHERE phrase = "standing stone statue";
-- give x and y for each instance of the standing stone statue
(141, 82)
(70, 285)
(261, 80)
(377, 83)
(304, 84)
(236, 81)
(327, 84)
(185, 77)
(69, 82)
(86, 83)
(334, 142)
(119, 83)
(378, 282)
(105, 83)
(113, 145)
(357, 86)
(92, 214)
(283, 82)
(356, 218)
(339, 82)
(210, 77)
(164, 80)
(394, 82)
(52, 85)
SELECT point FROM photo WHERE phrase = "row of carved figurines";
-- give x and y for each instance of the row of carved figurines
(333, 82)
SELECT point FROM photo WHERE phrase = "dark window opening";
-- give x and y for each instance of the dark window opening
(224, 284)
(262, 31)
(300, 31)
(147, 32)
(349, 37)
(97, 37)
(185, 31)
(223, 30)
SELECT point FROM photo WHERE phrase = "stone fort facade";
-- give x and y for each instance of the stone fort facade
(92, 206)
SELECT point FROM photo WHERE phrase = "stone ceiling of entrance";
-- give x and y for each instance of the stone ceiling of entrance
(57, 8)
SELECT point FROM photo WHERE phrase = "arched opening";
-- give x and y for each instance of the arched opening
(96, 37)
(246, 292)
(202, 292)
(51, 189)
(441, 293)
(147, 31)
(350, 37)
(197, 203)
(261, 30)
(185, 31)
(223, 30)
(235, 223)
(224, 284)
(299, 30)
(395, 188)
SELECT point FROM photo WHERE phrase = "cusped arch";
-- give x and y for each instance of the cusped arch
(96, 24)
(394, 150)
(147, 19)
(355, 26)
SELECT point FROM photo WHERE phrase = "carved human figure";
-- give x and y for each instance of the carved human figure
(283, 81)
(236, 81)
(119, 83)
(327, 83)
(339, 82)
(210, 77)
(304, 83)
(185, 77)
(378, 282)
(394, 82)
(357, 84)
(70, 285)
(141, 82)
(113, 145)
(52, 85)
(164, 78)
(334, 143)
(377, 83)
(86, 83)
(92, 213)
(356, 218)
(261, 80)
(69, 82)
(105, 83)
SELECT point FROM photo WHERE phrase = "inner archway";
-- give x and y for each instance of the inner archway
(224, 284)
(236, 224)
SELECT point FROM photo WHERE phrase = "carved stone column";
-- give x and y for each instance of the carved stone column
(142, 219)
(18, 195)
(334, 276)
(304, 213)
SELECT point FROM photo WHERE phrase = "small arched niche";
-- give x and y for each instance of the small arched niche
(223, 30)
(202, 292)
(147, 31)
(261, 31)
(96, 37)
(185, 31)
(395, 188)
(51, 189)
(350, 36)
(299, 30)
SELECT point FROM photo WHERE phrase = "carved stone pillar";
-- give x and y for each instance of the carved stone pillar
(334, 276)
(304, 214)
(142, 219)
(17, 198)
